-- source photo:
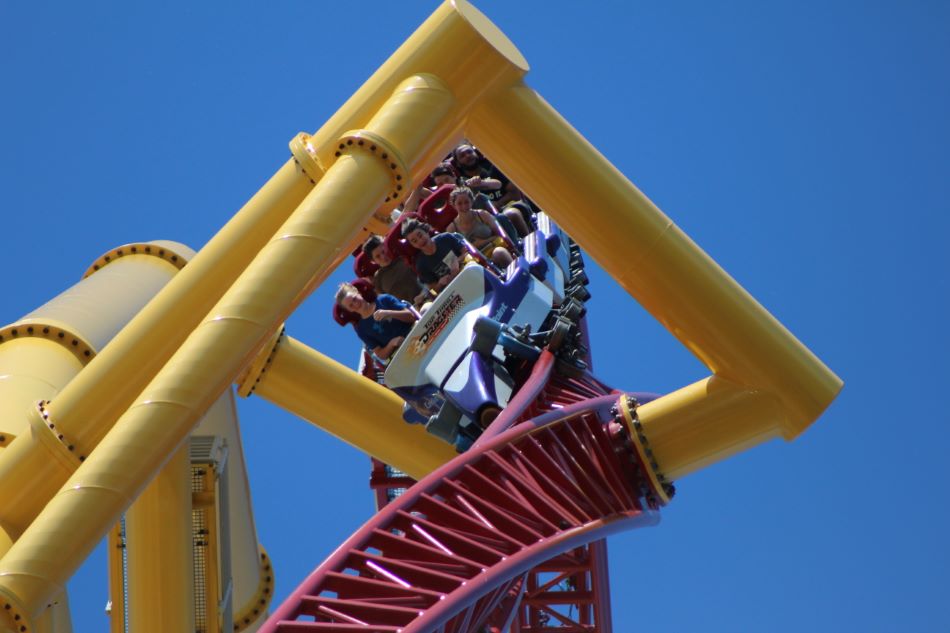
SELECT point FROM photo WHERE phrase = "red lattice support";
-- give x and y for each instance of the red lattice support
(569, 593)
(453, 553)
(387, 483)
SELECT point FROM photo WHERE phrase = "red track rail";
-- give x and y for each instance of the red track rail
(567, 588)
(569, 593)
(455, 552)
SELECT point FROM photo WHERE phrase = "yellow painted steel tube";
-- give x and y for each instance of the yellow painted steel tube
(38, 358)
(90, 313)
(55, 544)
(458, 44)
(31, 369)
(159, 545)
(56, 619)
(707, 422)
(345, 404)
(649, 256)
(88, 406)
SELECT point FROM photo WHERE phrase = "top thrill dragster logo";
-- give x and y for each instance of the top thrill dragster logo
(434, 324)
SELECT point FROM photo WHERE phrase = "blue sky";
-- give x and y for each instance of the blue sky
(803, 145)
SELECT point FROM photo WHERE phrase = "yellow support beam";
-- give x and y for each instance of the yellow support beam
(457, 44)
(56, 619)
(159, 544)
(705, 423)
(86, 409)
(45, 350)
(665, 271)
(286, 270)
(456, 74)
(347, 405)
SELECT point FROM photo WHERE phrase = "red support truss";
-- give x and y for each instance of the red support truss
(553, 602)
(497, 539)
(578, 598)
(567, 594)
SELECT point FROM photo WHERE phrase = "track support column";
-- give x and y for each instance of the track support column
(159, 545)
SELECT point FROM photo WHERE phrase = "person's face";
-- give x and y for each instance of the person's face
(462, 204)
(466, 155)
(418, 239)
(353, 302)
(381, 256)
(444, 179)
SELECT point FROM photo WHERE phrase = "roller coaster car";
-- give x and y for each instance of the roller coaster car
(466, 357)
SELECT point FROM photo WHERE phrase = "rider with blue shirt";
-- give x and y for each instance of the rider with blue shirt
(384, 323)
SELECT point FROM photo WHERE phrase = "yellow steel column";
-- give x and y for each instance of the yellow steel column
(87, 407)
(159, 545)
(284, 271)
(31, 369)
(705, 423)
(457, 43)
(652, 259)
(57, 619)
(347, 405)
(41, 352)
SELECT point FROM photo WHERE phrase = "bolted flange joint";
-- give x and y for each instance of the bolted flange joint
(54, 436)
(13, 616)
(250, 378)
(376, 145)
(72, 341)
(660, 486)
(260, 601)
(305, 157)
(160, 250)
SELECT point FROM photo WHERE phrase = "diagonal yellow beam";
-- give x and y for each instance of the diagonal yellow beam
(457, 44)
(765, 382)
(665, 271)
(370, 165)
(345, 404)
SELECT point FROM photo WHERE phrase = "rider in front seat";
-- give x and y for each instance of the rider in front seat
(384, 323)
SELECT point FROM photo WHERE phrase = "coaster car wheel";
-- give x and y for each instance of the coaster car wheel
(572, 310)
(559, 333)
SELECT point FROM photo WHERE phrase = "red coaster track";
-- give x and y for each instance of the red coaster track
(482, 543)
